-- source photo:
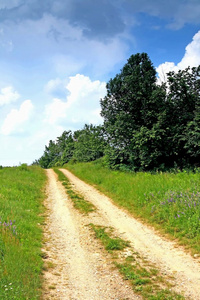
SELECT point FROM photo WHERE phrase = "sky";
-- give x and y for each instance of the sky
(56, 57)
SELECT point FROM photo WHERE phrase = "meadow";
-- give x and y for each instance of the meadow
(21, 209)
(169, 201)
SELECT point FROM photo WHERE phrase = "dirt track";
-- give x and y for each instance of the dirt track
(83, 270)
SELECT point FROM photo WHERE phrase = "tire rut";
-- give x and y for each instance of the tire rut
(76, 265)
(169, 257)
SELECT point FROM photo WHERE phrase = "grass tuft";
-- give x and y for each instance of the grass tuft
(79, 202)
(109, 243)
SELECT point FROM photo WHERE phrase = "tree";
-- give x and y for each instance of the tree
(58, 152)
(182, 106)
(89, 143)
(65, 145)
(50, 155)
(133, 101)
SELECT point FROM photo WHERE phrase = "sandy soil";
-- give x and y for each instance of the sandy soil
(170, 258)
(77, 267)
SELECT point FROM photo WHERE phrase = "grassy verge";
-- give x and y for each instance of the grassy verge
(169, 201)
(21, 198)
(79, 202)
(145, 279)
(110, 243)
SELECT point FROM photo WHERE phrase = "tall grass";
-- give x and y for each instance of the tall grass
(21, 197)
(170, 201)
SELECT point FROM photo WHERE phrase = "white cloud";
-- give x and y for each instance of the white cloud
(191, 58)
(82, 103)
(53, 85)
(56, 87)
(185, 13)
(55, 111)
(192, 53)
(165, 68)
(16, 118)
(8, 95)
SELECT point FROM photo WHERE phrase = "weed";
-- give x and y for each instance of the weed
(52, 287)
(23, 167)
(143, 282)
(79, 202)
(142, 279)
(109, 243)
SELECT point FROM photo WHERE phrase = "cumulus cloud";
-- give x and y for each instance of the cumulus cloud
(56, 87)
(176, 13)
(8, 95)
(81, 105)
(192, 53)
(55, 111)
(4, 4)
(17, 118)
(100, 20)
(191, 58)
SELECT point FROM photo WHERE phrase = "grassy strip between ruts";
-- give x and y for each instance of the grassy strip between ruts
(146, 280)
(169, 201)
(21, 209)
(79, 202)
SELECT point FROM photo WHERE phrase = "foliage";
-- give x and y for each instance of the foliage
(21, 196)
(89, 143)
(150, 126)
(86, 144)
(58, 152)
(146, 126)
(170, 201)
(132, 105)
(182, 117)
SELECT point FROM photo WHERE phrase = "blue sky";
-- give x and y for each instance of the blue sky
(56, 57)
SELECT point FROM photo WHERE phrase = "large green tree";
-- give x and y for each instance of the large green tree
(133, 101)
(151, 126)
(182, 116)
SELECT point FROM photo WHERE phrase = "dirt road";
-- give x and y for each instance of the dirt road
(77, 266)
(83, 270)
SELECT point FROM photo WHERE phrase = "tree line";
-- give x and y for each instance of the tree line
(146, 126)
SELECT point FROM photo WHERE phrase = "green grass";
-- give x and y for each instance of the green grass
(146, 283)
(110, 243)
(169, 201)
(79, 202)
(21, 208)
(144, 278)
